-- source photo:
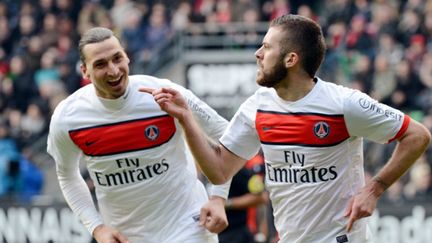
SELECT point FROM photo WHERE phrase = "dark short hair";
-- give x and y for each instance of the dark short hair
(93, 35)
(303, 36)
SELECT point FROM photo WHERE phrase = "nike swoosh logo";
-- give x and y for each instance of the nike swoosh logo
(268, 128)
(89, 143)
(196, 217)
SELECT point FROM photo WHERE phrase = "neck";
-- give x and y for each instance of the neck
(295, 87)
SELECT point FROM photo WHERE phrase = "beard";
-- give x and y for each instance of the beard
(272, 78)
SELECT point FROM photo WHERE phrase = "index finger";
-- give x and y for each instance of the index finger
(121, 238)
(353, 217)
(350, 224)
(146, 90)
(204, 214)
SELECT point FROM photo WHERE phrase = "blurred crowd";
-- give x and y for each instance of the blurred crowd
(383, 48)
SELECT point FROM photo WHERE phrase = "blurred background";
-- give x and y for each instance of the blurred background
(383, 48)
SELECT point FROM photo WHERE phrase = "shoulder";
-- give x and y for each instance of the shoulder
(249, 107)
(149, 81)
(262, 97)
(335, 89)
(67, 107)
(335, 95)
(261, 93)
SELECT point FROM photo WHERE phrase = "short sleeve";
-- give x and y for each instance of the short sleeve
(366, 117)
(241, 137)
(211, 122)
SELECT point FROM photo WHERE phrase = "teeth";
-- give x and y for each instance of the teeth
(113, 81)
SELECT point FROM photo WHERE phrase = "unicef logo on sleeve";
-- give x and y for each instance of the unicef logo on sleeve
(151, 132)
(321, 129)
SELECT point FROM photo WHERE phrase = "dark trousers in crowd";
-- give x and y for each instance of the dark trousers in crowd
(236, 235)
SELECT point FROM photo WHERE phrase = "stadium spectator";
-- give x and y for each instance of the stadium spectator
(68, 76)
(362, 75)
(246, 193)
(427, 28)
(383, 80)
(182, 16)
(357, 37)
(389, 48)
(415, 51)
(8, 152)
(239, 8)
(155, 35)
(92, 14)
(120, 11)
(363, 8)
(425, 70)
(25, 180)
(20, 77)
(33, 122)
(409, 25)
(133, 33)
(419, 187)
(47, 77)
(305, 181)
(408, 86)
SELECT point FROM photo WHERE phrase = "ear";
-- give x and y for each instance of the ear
(84, 72)
(291, 59)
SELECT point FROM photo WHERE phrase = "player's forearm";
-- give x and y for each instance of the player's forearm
(207, 154)
(221, 190)
(410, 147)
(246, 201)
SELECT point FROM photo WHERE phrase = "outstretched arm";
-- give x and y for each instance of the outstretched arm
(409, 148)
(217, 163)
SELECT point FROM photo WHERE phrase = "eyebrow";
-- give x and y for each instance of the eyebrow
(104, 59)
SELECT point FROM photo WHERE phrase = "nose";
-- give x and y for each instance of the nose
(112, 69)
(258, 53)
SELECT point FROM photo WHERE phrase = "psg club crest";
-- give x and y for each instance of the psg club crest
(151, 132)
(321, 129)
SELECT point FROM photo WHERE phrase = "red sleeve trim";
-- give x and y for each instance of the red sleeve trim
(403, 128)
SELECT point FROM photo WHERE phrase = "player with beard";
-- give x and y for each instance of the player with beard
(145, 178)
(311, 133)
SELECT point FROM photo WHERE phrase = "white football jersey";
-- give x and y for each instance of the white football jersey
(138, 160)
(314, 155)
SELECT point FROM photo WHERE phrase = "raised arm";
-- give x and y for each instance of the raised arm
(217, 163)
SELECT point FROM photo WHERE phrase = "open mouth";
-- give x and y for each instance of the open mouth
(114, 83)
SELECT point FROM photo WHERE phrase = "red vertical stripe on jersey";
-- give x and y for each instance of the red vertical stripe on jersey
(403, 128)
(124, 136)
(301, 129)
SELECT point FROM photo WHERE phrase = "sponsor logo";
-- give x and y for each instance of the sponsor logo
(151, 132)
(321, 129)
(89, 143)
(196, 217)
(300, 175)
(267, 128)
(364, 103)
(342, 238)
(378, 108)
(131, 170)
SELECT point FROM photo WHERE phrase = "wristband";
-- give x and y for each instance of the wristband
(228, 204)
